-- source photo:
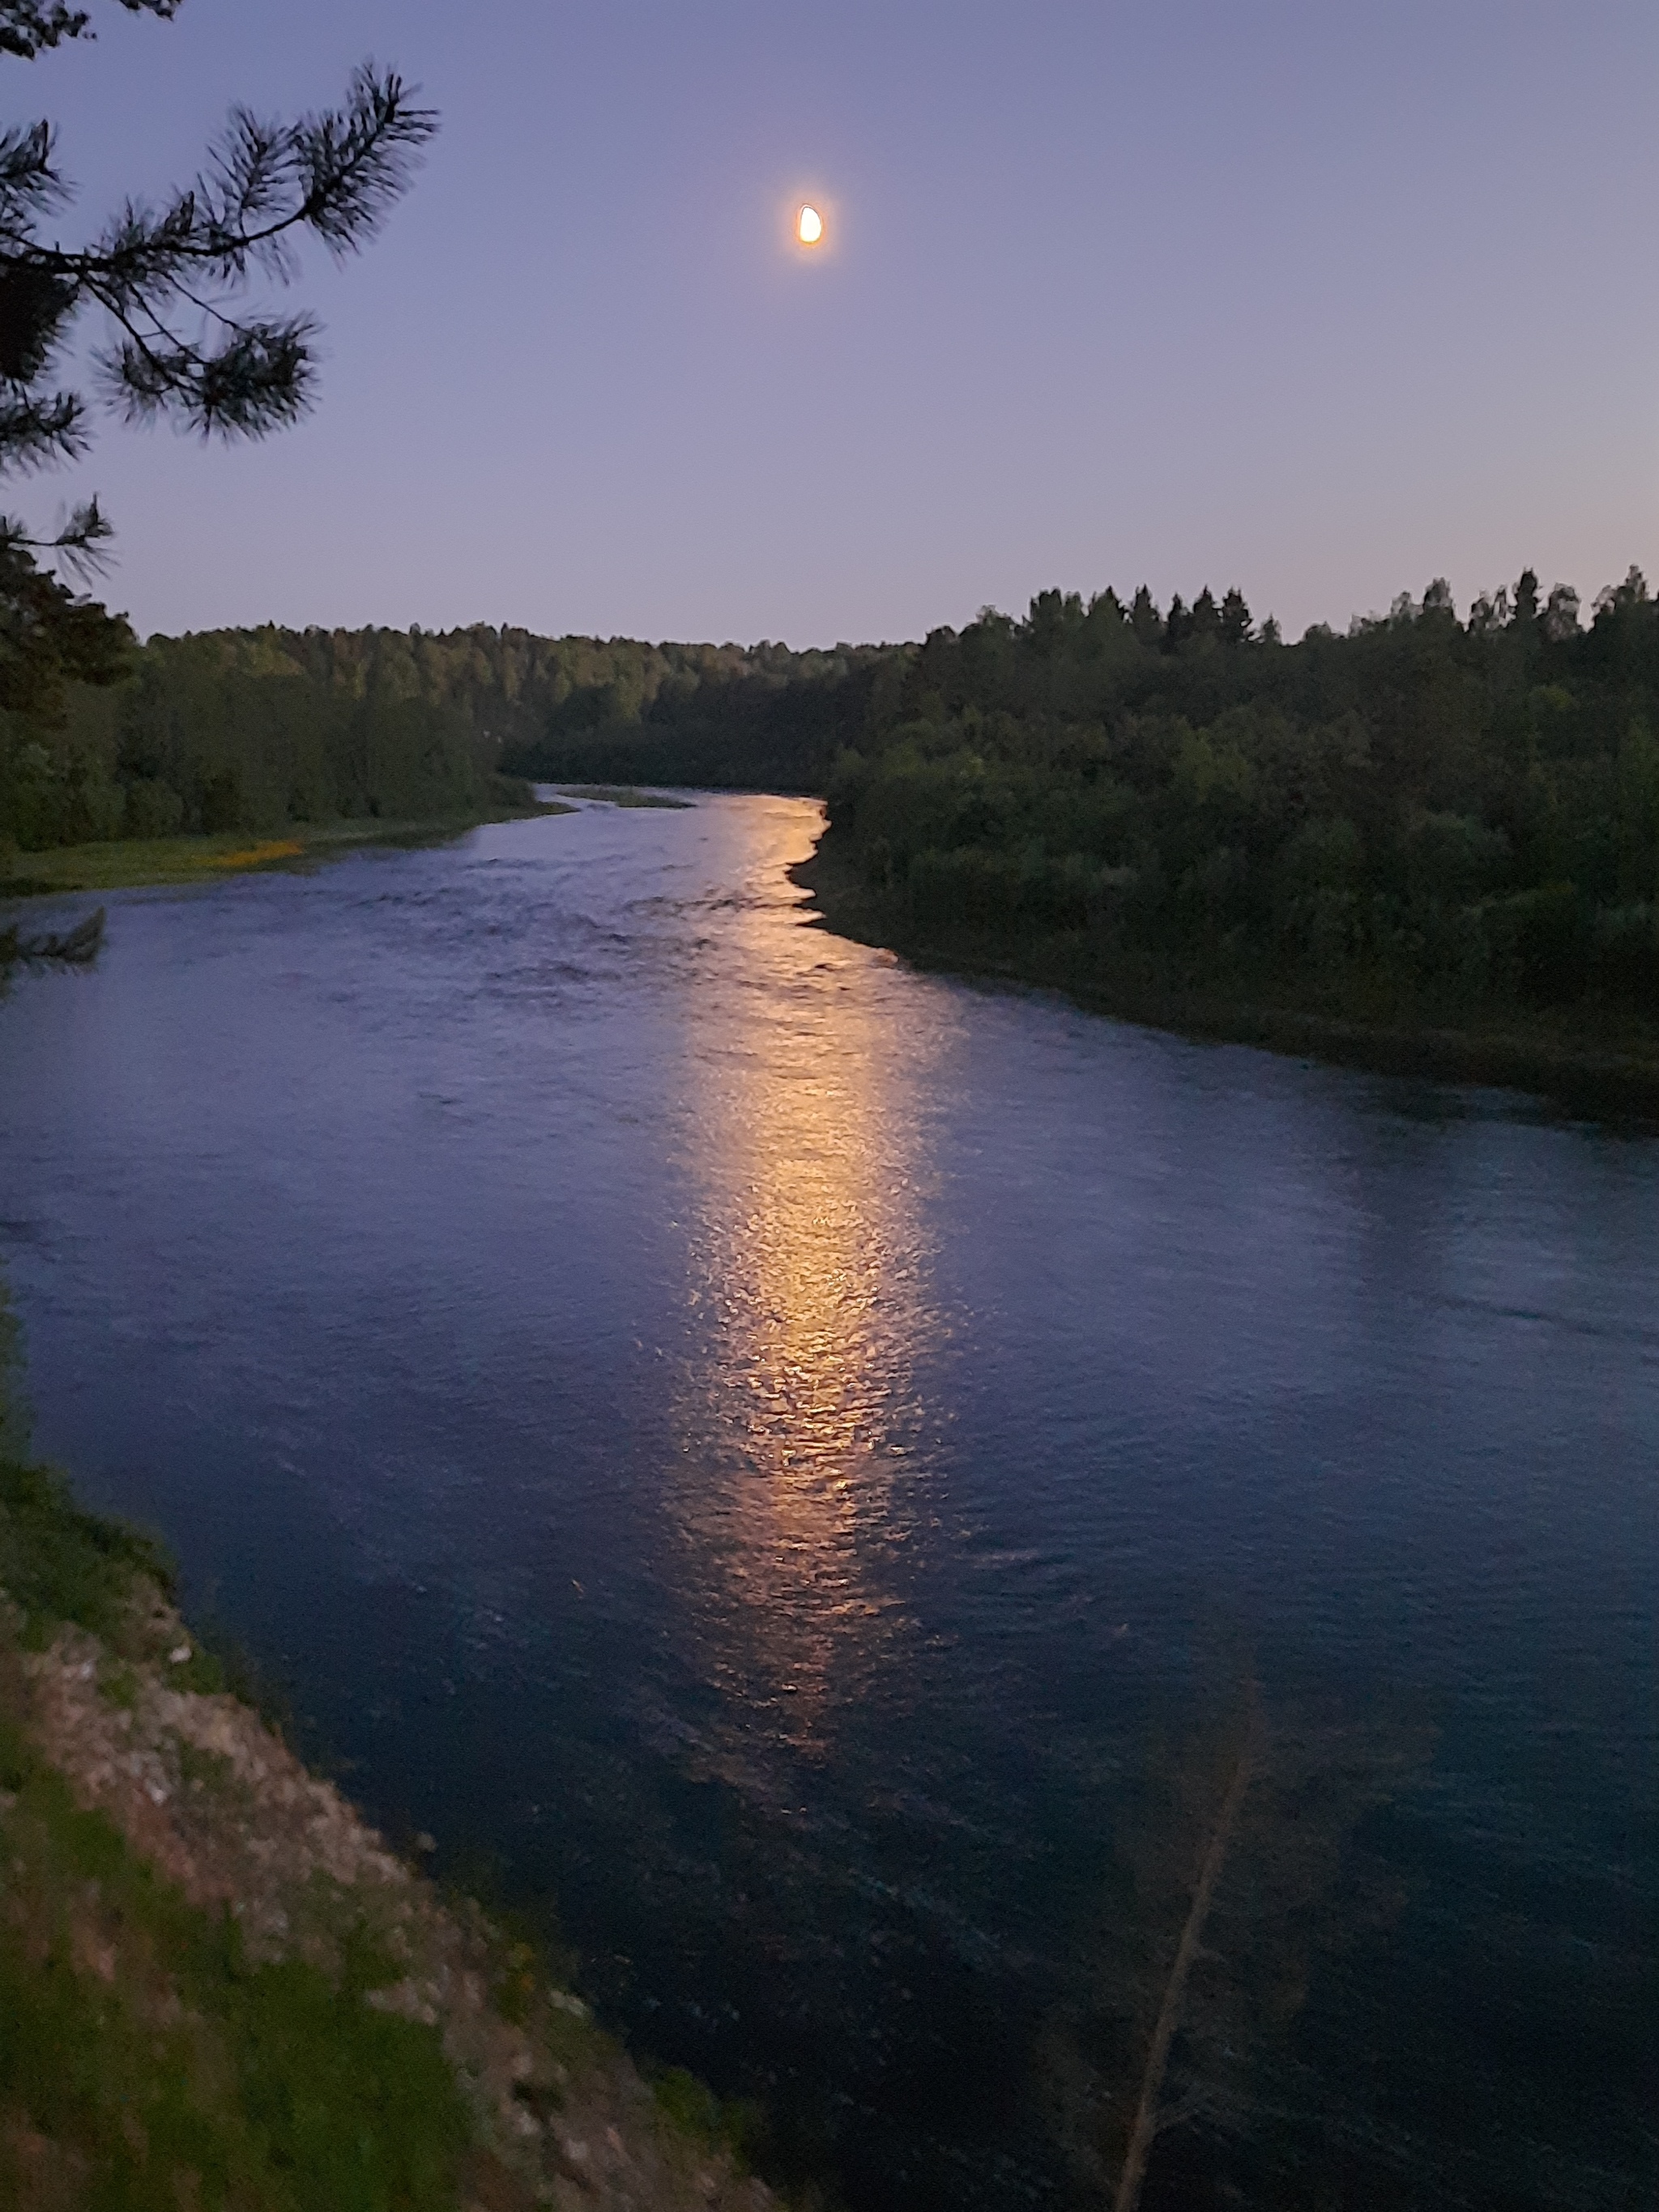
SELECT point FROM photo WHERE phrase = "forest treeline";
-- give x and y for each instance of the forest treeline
(1422, 812)
(258, 730)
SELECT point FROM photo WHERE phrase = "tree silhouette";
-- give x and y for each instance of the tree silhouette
(1149, 2113)
(1239, 1875)
(191, 331)
(174, 280)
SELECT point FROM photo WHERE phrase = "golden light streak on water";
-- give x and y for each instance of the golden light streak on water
(810, 1247)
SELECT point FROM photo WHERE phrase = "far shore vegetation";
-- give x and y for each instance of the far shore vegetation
(616, 794)
(128, 862)
(1599, 1062)
(239, 750)
(1429, 842)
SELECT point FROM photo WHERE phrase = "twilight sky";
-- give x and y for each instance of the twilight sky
(1320, 299)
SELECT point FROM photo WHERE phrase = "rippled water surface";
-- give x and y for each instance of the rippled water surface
(798, 1460)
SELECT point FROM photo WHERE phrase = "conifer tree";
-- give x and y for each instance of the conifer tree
(184, 291)
(1235, 625)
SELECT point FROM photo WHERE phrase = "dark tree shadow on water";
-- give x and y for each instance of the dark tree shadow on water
(1238, 1874)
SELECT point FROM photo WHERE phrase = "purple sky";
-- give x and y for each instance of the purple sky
(1322, 300)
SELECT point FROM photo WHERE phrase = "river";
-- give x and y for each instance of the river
(799, 1461)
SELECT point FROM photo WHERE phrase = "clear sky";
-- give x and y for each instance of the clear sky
(1322, 300)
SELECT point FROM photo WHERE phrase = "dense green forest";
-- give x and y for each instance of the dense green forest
(253, 730)
(1422, 814)
(1423, 817)
(256, 730)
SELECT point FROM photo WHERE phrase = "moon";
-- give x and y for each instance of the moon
(809, 226)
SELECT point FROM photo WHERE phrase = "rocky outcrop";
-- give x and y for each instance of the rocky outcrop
(204, 1792)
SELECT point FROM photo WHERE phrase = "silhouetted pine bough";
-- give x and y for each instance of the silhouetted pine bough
(171, 286)
(171, 279)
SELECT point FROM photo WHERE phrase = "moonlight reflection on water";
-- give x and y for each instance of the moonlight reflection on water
(806, 1261)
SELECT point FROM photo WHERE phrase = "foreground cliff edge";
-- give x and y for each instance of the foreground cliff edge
(218, 1984)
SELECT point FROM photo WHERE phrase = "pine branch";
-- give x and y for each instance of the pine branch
(335, 174)
(173, 278)
(28, 27)
(35, 431)
(78, 546)
(29, 184)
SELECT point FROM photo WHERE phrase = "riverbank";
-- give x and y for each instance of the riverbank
(621, 794)
(219, 1985)
(1616, 1074)
(130, 864)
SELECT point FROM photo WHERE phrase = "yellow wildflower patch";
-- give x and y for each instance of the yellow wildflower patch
(254, 856)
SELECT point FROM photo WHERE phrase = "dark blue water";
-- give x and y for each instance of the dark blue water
(799, 1460)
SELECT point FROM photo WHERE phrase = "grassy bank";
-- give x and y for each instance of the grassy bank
(620, 794)
(1611, 1069)
(127, 863)
(219, 1988)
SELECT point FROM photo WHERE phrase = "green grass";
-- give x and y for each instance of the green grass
(59, 1563)
(165, 2070)
(128, 863)
(160, 2066)
(147, 2063)
(730, 2126)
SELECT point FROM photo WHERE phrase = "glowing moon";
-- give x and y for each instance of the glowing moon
(809, 226)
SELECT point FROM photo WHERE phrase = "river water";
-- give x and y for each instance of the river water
(801, 1460)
